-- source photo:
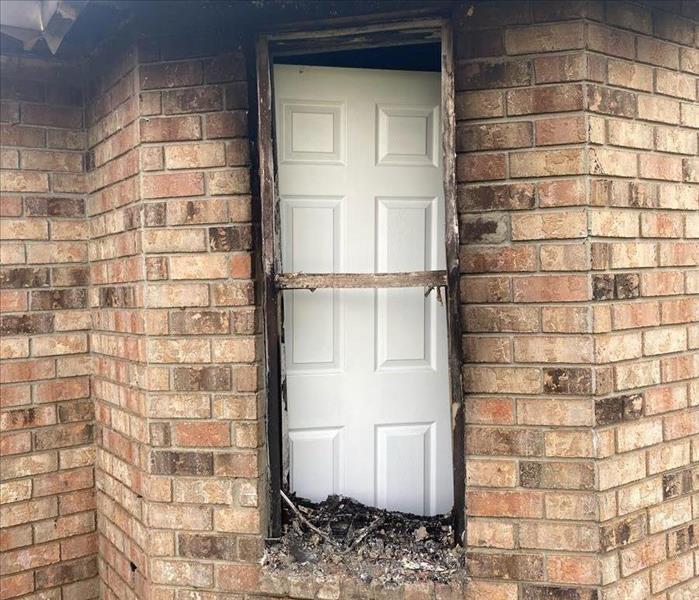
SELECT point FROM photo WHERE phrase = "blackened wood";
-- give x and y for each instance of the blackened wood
(332, 27)
(270, 305)
(357, 41)
(451, 238)
(314, 281)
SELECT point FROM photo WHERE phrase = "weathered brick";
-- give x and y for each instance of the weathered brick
(559, 68)
(551, 288)
(216, 547)
(544, 38)
(171, 75)
(573, 381)
(549, 225)
(487, 75)
(543, 349)
(548, 99)
(545, 163)
(68, 117)
(614, 42)
(565, 130)
(660, 167)
(497, 258)
(193, 156)
(654, 108)
(169, 129)
(22, 277)
(181, 463)
(202, 379)
(479, 105)
(495, 503)
(502, 441)
(656, 52)
(557, 475)
(173, 185)
(198, 99)
(493, 137)
(497, 197)
(630, 75)
(517, 567)
(532, 592)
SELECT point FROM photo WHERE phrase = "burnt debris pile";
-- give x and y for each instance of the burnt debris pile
(340, 536)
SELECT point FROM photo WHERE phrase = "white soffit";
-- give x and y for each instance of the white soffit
(32, 20)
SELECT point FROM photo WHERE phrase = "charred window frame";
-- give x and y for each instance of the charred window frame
(378, 33)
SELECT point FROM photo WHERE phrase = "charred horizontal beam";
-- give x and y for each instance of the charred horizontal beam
(314, 281)
(366, 40)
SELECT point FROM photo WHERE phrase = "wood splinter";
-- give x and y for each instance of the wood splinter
(304, 520)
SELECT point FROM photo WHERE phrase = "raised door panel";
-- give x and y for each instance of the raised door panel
(312, 132)
(311, 238)
(405, 468)
(406, 135)
(404, 236)
(316, 462)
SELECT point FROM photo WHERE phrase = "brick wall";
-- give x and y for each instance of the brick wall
(577, 141)
(643, 229)
(120, 374)
(529, 377)
(202, 350)
(47, 515)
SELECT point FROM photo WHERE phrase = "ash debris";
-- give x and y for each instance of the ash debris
(340, 536)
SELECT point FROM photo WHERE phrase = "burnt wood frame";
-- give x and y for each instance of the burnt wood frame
(384, 31)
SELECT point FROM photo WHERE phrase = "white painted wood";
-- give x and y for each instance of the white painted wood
(360, 187)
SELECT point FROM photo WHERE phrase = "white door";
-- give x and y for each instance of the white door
(360, 185)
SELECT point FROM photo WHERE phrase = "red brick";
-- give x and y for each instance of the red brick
(656, 52)
(566, 130)
(16, 585)
(544, 38)
(226, 125)
(630, 75)
(238, 577)
(491, 411)
(501, 319)
(559, 68)
(173, 185)
(481, 167)
(549, 225)
(15, 443)
(170, 129)
(545, 163)
(552, 288)
(496, 259)
(20, 135)
(547, 99)
(670, 83)
(660, 167)
(528, 505)
(20, 181)
(493, 137)
(562, 192)
(479, 105)
(492, 74)
(200, 99)
(614, 42)
(53, 116)
(208, 433)
(654, 108)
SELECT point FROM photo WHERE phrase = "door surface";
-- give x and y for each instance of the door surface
(360, 186)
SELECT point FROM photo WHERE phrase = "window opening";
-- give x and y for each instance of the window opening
(391, 301)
